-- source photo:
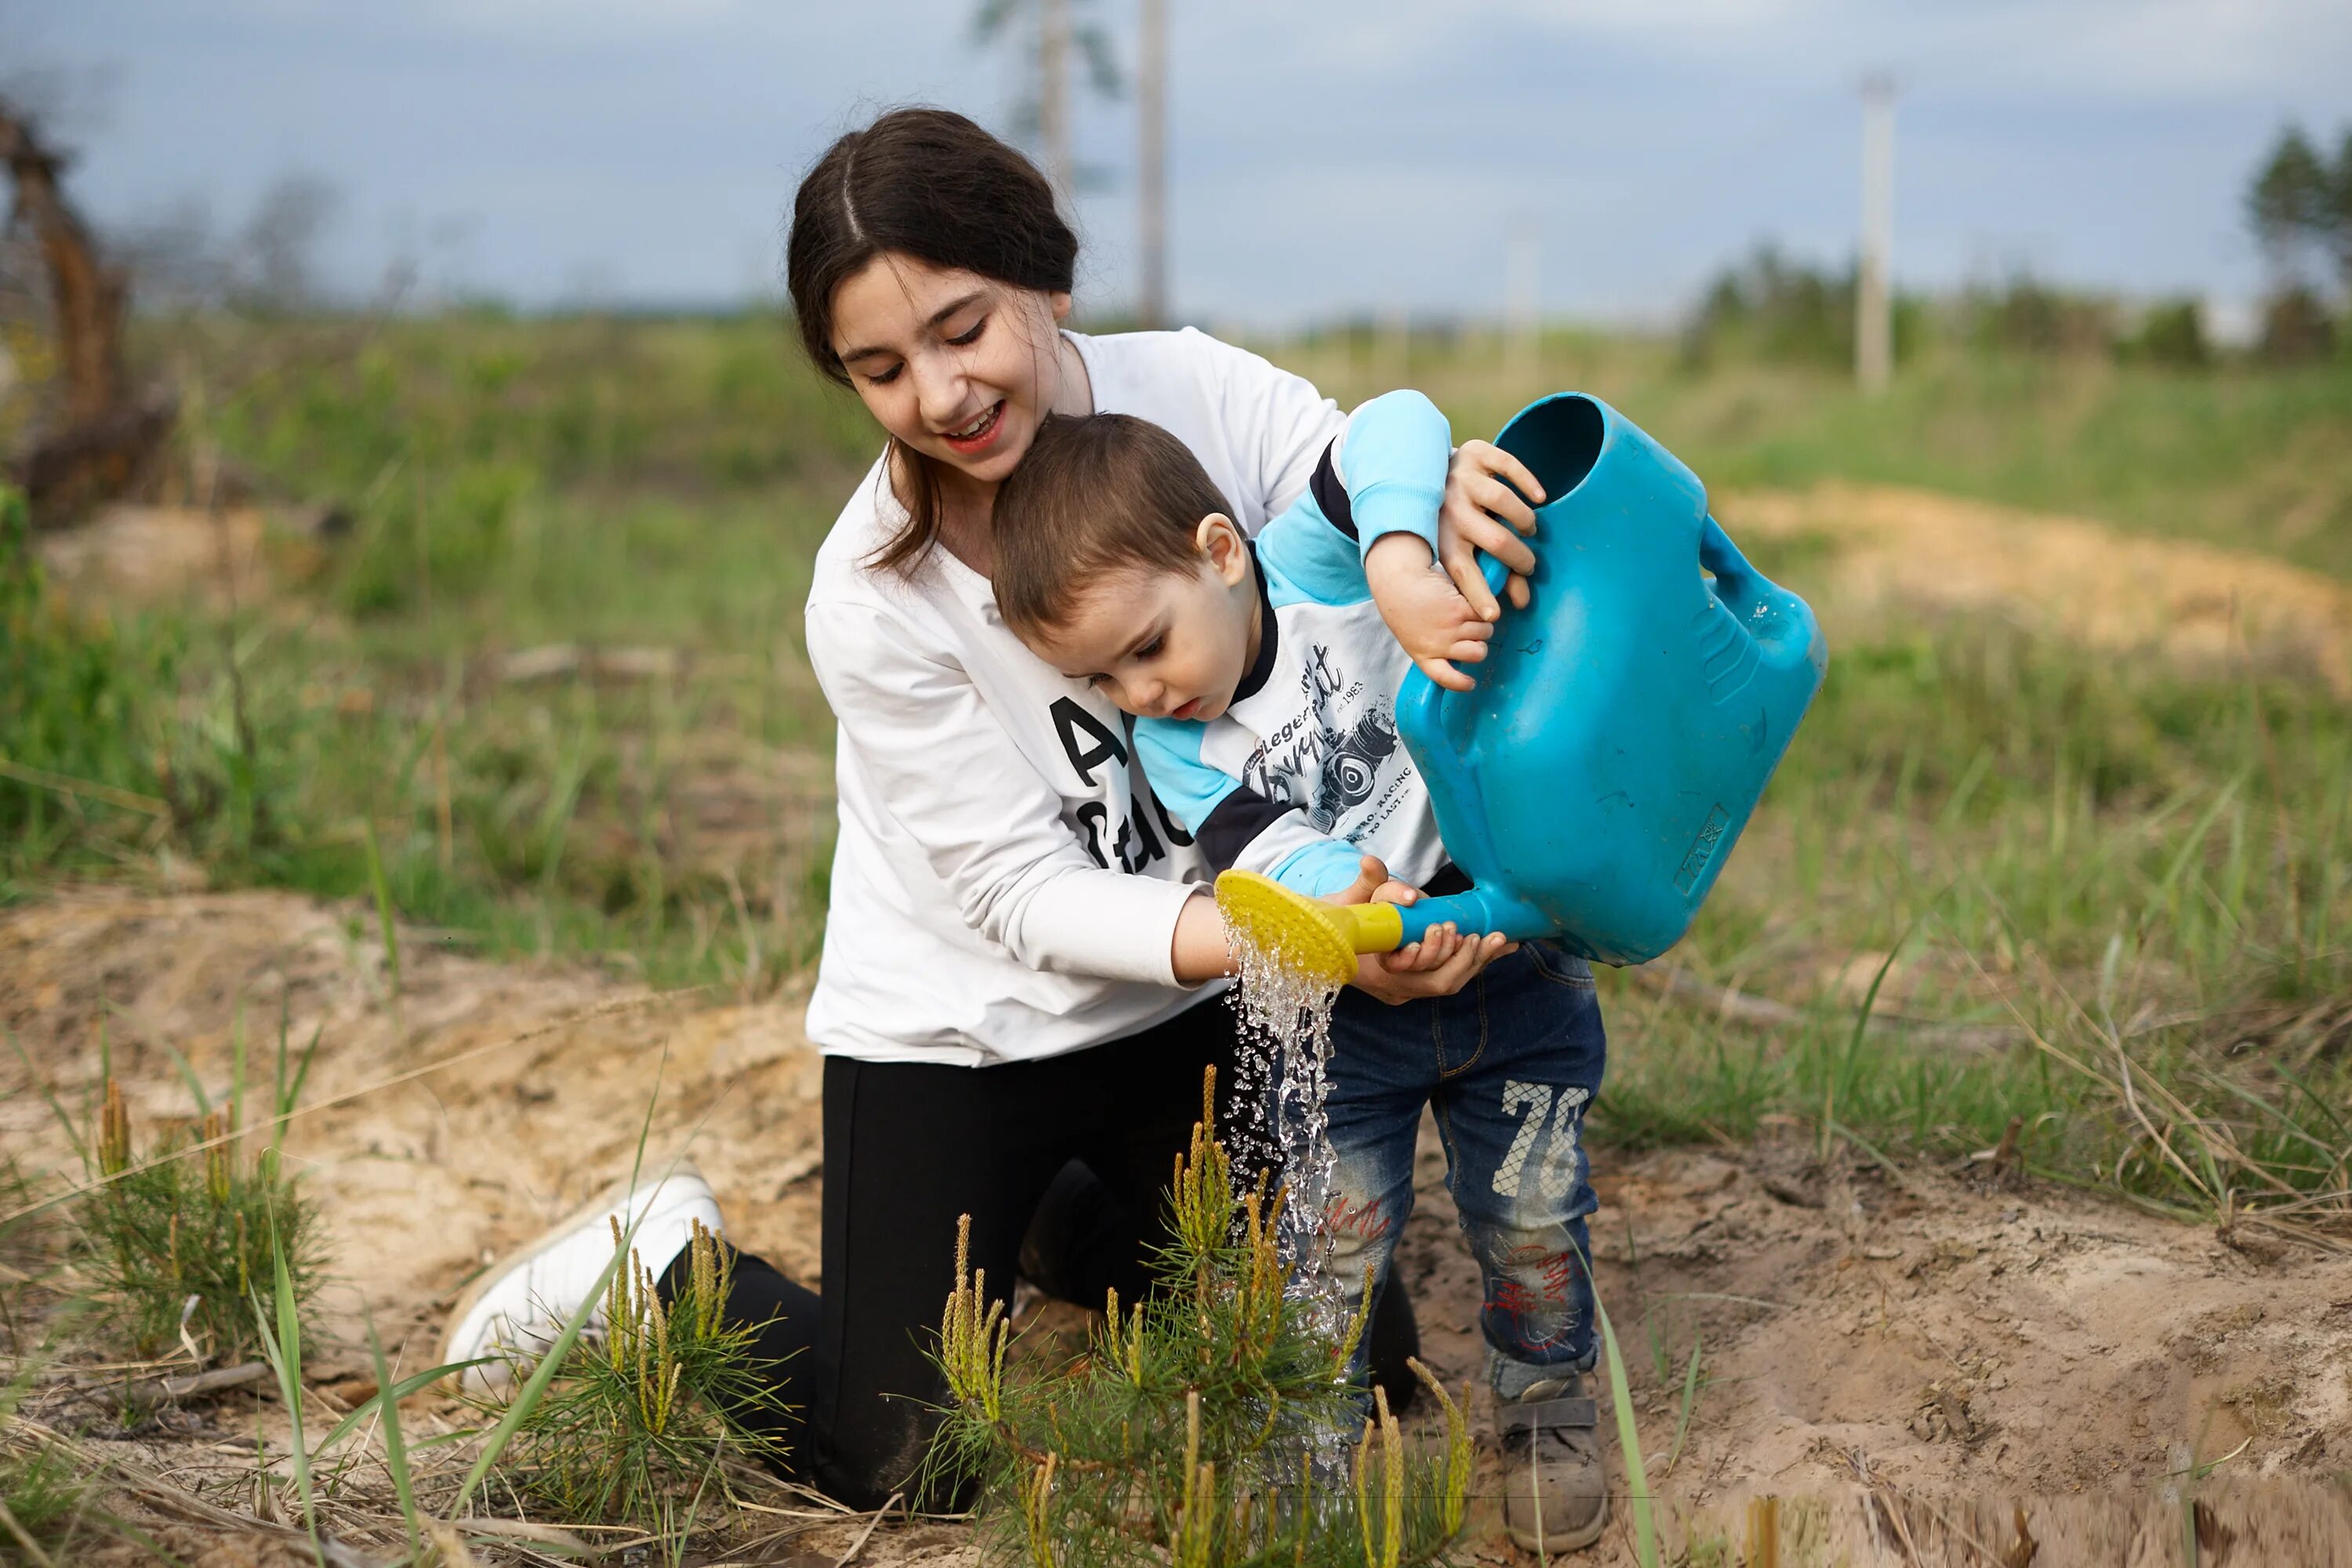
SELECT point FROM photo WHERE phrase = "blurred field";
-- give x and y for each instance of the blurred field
(548, 692)
(2252, 457)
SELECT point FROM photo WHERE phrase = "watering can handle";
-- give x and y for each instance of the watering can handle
(1736, 582)
(1421, 712)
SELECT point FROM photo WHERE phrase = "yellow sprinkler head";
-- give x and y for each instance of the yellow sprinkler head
(1304, 935)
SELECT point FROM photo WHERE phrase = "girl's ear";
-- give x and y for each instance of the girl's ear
(1060, 304)
(1221, 541)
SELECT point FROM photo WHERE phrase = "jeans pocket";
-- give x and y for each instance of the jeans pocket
(1559, 965)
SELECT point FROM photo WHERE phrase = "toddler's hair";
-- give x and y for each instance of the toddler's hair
(1096, 494)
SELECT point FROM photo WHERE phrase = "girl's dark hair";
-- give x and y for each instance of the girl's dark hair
(930, 184)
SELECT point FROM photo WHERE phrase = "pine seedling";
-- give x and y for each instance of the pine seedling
(1458, 1451)
(1209, 1426)
(632, 1426)
(177, 1245)
(974, 1334)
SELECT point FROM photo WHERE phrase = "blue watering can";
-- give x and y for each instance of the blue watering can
(1622, 727)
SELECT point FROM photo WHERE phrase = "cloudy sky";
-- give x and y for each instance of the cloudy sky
(1327, 157)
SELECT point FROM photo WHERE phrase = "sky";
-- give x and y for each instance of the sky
(1326, 159)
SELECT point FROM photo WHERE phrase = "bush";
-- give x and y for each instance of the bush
(2172, 333)
(2026, 315)
(1771, 307)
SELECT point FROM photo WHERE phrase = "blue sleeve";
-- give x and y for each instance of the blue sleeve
(1234, 825)
(1169, 750)
(1392, 458)
(1319, 869)
(1385, 473)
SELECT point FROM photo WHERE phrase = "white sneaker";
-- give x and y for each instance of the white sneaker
(516, 1311)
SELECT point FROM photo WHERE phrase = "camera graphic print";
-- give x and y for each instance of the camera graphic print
(1336, 755)
(1352, 765)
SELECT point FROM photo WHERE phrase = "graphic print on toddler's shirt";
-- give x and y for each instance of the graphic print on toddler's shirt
(1333, 756)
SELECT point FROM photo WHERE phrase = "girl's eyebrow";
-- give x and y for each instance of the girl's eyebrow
(938, 319)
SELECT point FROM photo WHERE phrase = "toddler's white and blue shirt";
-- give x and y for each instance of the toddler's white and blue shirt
(1304, 773)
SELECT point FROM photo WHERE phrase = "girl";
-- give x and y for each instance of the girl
(1017, 953)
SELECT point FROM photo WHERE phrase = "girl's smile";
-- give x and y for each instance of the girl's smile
(976, 437)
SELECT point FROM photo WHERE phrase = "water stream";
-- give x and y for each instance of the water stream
(1281, 1081)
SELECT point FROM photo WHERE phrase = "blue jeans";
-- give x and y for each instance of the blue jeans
(1508, 1064)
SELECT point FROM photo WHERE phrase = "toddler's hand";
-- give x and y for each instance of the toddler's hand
(1485, 484)
(1424, 610)
(1442, 963)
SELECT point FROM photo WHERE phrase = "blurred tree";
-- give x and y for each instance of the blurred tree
(275, 264)
(2288, 203)
(99, 435)
(1043, 111)
(1773, 307)
(2299, 206)
(2337, 210)
(2026, 313)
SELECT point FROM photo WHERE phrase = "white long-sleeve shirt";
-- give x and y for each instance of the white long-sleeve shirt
(1004, 887)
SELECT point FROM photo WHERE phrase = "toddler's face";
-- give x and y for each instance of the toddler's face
(1165, 644)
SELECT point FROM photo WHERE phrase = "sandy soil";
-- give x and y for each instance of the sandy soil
(2125, 593)
(1872, 1343)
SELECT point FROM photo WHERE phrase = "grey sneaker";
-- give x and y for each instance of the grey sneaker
(1556, 1484)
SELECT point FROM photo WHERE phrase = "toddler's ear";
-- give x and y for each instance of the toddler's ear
(1221, 541)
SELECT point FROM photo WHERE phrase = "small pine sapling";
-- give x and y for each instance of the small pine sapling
(177, 1245)
(1209, 1426)
(636, 1426)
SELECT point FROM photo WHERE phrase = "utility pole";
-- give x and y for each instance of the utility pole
(1874, 322)
(1054, 93)
(1521, 322)
(1151, 166)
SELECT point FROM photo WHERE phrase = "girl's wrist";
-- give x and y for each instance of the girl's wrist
(1197, 953)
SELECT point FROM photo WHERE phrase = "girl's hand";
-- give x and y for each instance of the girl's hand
(1476, 495)
(1424, 611)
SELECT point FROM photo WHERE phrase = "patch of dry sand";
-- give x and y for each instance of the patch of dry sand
(2068, 575)
(1882, 1353)
(422, 1180)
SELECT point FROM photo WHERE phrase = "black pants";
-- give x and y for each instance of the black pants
(909, 1147)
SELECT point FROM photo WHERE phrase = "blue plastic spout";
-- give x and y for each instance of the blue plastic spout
(1626, 723)
(1480, 909)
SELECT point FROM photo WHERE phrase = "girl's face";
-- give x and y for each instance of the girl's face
(958, 366)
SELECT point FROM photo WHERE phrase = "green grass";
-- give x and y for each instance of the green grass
(43, 1498)
(2249, 457)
